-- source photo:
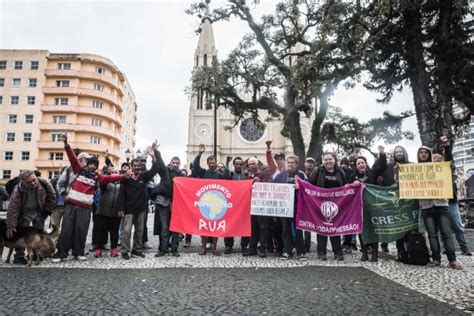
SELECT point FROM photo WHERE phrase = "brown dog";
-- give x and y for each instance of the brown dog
(38, 245)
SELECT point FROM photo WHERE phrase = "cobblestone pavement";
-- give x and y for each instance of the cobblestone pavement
(302, 290)
(450, 288)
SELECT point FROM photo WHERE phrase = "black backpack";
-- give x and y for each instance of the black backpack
(11, 184)
(415, 250)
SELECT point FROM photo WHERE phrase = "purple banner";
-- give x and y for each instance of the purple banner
(329, 212)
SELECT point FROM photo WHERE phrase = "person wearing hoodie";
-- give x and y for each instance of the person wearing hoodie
(328, 176)
(384, 174)
(436, 218)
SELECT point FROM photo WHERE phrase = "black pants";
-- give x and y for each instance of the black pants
(307, 241)
(94, 227)
(287, 235)
(74, 229)
(323, 242)
(275, 232)
(105, 226)
(259, 225)
(167, 239)
(145, 229)
(229, 241)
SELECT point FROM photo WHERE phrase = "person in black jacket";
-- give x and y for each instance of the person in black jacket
(133, 206)
(163, 205)
(329, 175)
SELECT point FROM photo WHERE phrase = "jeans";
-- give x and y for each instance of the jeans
(287, 235)
(164, 212)
(456, 225)
(437, 219)
(259, 225)
(135, 220)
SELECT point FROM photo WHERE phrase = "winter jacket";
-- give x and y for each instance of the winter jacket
(46, 198)
(109, 195)
(86, 183)
(318, 179)
(381, 168)
(3, 197)
(65, 181)
(205, 173)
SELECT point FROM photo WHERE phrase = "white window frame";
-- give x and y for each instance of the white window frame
(59, 119)
(8, 135)
(62, 83)
(9, 172)
(27, 116)
(56, 156)
(30, 100)
(14, 97)
(100, 70)
(61, 101)
(27, 139)
(18, 65)
(99, 87)
(16, 82)
(3, 64)
(96, 122)
(64, 66)
(25, 155)
(12, 118)
(10, 157)
(2, 82)
(53, 174)
(1, 99)
(97, 104)
(34, 65)
(32, 82)
(95, 140)
(56, 137)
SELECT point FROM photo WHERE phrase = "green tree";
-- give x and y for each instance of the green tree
(290, 64)
(428, 45)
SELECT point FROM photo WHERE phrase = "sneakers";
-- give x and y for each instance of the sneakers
(81, 258)
(57, 260)
(98, 253)
(285, 256)
(175, 253)
(466, 253)
(322, 256)
(227, 250)
(136, 253)
(347, 249)
(114, 252)
(456, 265)
(125, 256)
(354, 247)
(209, 245)
(262, 253)
(146, 246)
(161, 253)
(301, 257)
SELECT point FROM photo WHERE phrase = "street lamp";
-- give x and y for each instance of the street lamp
(128, 155)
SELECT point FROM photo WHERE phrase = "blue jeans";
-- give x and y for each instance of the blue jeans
(437, 219)
(167, 238)
(456, 225)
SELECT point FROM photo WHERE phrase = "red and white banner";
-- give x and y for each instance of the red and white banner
(216, 208)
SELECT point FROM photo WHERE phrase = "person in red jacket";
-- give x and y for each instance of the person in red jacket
(78, 205)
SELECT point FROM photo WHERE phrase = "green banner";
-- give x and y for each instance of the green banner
(386, 217)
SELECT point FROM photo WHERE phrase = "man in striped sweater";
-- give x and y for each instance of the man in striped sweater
(78, 205)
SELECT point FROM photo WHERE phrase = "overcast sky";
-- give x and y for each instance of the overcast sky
(153, 43)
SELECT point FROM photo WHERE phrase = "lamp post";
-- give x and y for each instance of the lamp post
(128, 155)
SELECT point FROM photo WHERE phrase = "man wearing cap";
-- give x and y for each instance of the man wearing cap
(78, 206)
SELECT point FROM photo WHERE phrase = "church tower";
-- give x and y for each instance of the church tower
(248, 137)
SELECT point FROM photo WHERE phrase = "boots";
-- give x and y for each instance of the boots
(375, 254)
(214, 247)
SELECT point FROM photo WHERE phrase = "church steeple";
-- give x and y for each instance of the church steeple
(206, 50)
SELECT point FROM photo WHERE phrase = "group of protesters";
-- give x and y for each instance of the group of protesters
(118, 200)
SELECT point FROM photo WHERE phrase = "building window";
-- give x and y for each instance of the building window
(28, 118)
(27, 137)
(96, 122)
(59, 119)
(25, 155)
(18, 65)
(97, 104)
(8, 155)
(32, 82)
(30, 100)
(98, 87)
(100, 70)
(14, 100)
(2, 82)
(53, 174)
(7, 174)
(64, 66)
(1, 99)
(10, 137)
(3, 64)
(12, 119)
(95, 140)
(16, 82)
(61, 101)
(56, 156)
(62, 83)
(56, 137)
(34, 65)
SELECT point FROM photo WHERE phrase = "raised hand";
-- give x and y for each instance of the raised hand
(155, 146)
(268, 143)
(228, 160)
(64, 138)
(202, 148)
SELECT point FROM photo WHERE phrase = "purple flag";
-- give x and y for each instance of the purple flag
(329, 212)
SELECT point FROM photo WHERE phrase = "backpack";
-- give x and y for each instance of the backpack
(11, 184)
(415, 250)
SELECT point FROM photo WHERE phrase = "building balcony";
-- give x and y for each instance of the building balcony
(80, 128)
(87, 147)
(71, 73)
(82, 110)
(60, 91)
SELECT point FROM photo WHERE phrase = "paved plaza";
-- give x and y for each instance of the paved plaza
(236, 284)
